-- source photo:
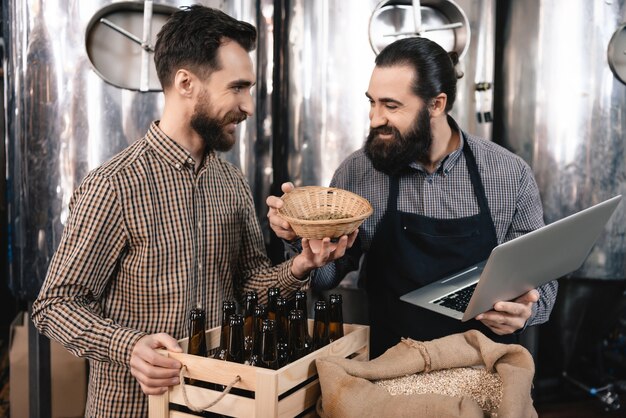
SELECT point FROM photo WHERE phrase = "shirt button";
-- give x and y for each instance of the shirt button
(190, 160)
(178, 166)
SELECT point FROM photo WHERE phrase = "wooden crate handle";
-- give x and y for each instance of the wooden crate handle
(196, 408)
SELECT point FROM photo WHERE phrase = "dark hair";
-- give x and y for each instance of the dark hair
(434, 67)
(191, 38)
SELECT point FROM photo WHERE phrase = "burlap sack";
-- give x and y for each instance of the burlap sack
(347, 390)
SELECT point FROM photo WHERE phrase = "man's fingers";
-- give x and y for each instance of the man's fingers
(274, 202)
(352, 237)
(287, 187)
(280, 223)
(340, 248)
(163, 340)
(529, 297)
(511, 308)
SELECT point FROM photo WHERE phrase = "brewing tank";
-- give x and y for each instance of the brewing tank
(77, 92)
(564, 111)
(329, 52)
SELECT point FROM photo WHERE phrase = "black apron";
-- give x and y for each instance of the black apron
(409, 251)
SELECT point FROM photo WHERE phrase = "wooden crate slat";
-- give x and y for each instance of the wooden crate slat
(159, 405)
(266, 394)
(180, 414)
(233, 405)
(218, 371)
(300, 400)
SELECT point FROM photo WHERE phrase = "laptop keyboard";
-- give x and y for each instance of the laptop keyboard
(458, 300)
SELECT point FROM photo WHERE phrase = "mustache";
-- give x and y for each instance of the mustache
(234, 117)
(382, 130)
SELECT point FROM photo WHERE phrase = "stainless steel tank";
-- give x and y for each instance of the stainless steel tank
(324, 66)
(565, 111)
(77, 92)
(330, 57)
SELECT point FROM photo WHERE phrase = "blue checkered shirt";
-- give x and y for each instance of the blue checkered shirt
(511, 190)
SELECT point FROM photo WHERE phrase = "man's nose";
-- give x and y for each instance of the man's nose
(377, 119)
(247, 105)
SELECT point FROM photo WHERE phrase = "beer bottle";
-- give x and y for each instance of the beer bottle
(301, 304)
(250, 302)
(197, 339)
(335, 318)
(260, 314)
(228, 308)
(282, 349)
(297, 341)
(235, 351)
(272, 294)
(320, 325)
(282, 319)
(268, 357)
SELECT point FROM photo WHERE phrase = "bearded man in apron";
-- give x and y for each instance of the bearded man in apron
(442, 198)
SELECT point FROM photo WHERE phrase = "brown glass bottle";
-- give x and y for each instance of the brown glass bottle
(335, 317)
(272, 294)
(268, 356)
(301, 304)
(249, 304)
(282, 319)
(235, 350)
(282, 349)
(320, 325)
(197, 339)
(228, 308)
(260, 314)
(297, 335)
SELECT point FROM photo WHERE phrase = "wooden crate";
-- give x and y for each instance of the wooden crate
(286, 392)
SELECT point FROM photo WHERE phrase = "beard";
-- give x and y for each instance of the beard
(392, 155)
(212, 130)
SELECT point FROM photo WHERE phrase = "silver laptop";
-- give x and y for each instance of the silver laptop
(517, 266)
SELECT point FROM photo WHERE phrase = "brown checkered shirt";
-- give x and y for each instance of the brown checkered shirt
(149, 238)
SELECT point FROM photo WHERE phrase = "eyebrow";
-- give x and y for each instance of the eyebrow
(385, 99)
(241, 83)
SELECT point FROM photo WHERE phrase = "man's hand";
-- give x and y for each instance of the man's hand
(318, 253)
(508, 317)
(315, 253)
(155, 372)
(280, 226)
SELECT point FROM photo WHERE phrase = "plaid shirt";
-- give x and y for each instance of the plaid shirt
(511, 190)
(149, 238)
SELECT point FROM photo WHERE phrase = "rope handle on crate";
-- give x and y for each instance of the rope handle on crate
(196, 408)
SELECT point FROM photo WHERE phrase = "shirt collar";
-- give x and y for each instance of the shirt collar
(168, 149)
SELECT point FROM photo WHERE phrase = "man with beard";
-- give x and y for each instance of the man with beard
(442, 198)
(166, 225)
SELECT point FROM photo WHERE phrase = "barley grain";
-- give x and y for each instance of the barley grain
(477, 383)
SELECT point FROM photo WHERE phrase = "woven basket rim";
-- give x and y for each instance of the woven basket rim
(327, 222)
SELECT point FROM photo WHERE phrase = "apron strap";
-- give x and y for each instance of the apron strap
(479, 189)
(394, 189)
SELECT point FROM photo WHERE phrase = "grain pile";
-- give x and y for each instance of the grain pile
(477, 383)
(327, 217)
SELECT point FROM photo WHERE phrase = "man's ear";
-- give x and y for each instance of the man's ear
(184, 82)
(438, 105)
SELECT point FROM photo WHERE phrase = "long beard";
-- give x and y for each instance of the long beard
(393, 155)
(211, 130)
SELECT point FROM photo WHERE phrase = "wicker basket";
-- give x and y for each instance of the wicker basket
(319, 212)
